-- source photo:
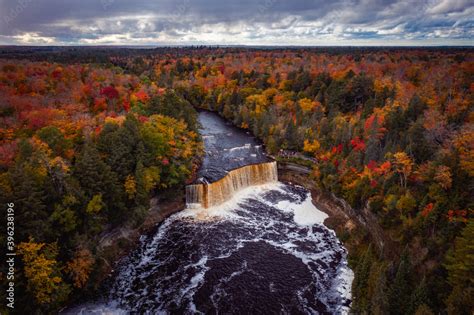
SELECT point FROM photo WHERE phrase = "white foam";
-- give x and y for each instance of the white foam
(226, 209)
(305, 213)
(198, 278)
(343, 285)
(110, 308)
(237, 148)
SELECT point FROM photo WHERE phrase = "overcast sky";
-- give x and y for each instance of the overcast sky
(227, 22)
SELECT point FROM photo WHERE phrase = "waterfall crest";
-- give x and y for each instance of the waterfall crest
(213, 194)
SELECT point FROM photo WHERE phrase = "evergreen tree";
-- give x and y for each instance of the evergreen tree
(419, 297)
(55, 139)
(119, 145)
(400, 290)
(415, 108)
(290, 135)
(92, 173)
(359, 285)
(418, 146)
(173, 105)
(460, 266)
(30, 200)
(379, 299)
(96, 177)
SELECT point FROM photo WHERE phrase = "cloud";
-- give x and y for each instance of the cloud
(448, 6)
(267, 22)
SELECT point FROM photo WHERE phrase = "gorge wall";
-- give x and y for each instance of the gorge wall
(342, 217)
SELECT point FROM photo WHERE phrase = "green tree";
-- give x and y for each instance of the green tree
(96, 177)
(401, 287)
(419, 297)
(55, 139)
(31, 201)
(379, 299)
(359, 285)
(291, 136)
(118, 144)
(95, 205)
(64, 218)
(406, 204)
(460, 265)
(173, 105)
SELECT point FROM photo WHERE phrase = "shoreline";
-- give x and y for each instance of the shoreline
(120, 242)
(342, 218)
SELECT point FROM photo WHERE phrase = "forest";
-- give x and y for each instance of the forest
(87, 136)
(77, 161)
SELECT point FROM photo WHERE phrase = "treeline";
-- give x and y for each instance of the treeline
(102, 54)
(83, 150)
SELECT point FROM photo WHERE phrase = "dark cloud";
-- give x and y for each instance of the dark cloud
(300, 22)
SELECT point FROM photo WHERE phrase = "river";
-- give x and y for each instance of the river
(263, 251)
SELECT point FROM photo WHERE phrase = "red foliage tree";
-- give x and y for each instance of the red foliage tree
(110, 92)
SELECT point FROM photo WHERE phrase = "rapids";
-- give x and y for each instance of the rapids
(263, 249)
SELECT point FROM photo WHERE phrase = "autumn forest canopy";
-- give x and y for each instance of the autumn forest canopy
(89, 135)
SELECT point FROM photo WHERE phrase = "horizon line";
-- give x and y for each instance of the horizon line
(240, 45)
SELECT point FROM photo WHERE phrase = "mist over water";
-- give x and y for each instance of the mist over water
(265, 250)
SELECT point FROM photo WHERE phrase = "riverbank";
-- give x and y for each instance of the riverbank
(354, 227)
(116, 244)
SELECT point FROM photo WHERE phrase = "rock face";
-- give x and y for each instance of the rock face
(212, 194)
(116, 243)
(341, 215)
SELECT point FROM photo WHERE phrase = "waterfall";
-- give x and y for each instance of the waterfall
(212, 194)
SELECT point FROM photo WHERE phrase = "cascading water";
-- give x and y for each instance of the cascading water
(212, 194)
(246, 244)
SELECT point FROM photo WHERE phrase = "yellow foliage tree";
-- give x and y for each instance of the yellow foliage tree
(307, 105)
(130, 186)
(42, 271)
(443, 177)
(464, 143)
(406, 204)
(95, 205)
(151, 177)
(259, 101)
(311, 147)
(80, 267)
(404, 166)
